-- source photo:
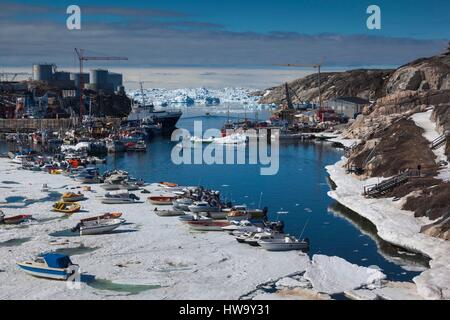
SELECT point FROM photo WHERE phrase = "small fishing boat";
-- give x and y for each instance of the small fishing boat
(202, 206)
(217, 215)
(239, 213)
(72, 197)
(168, 184)
(286, 243)
(268, 235)
(119, 198)
(14, 219)
(98, 226)
(169, 213)
(106, 216)
(51, 266)
(66, 207)
(161, 200)
(110, 186)
(182, 203)
(212, 225)
(193, 217)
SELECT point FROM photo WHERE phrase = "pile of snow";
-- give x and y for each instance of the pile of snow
(191, 96)
(423, 120)
(335, 275)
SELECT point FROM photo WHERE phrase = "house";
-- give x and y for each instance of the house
(349, 106)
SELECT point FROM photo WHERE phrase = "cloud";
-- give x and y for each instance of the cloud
(180, 41)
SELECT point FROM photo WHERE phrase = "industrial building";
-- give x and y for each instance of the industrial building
(348, 106)
(97, 79)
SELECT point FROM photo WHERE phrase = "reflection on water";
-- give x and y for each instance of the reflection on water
(389, 251)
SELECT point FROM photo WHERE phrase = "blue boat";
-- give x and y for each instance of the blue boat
(50, 266)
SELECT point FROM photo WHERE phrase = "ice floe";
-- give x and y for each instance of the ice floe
(333, 275)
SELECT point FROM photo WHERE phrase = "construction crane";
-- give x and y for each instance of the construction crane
(315, 66)
(81, 58)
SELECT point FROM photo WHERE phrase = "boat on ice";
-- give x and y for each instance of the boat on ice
(182, 203)
(119, 198)
(66, 207)
(212, 225)
(202, 206)
(161, 200)
(51, 266)
(168, 184)
(267, 235)
(169, 213)
(99, 226)
(106, 216)
(14, 219)
(286, 243)
(193, 217)
(72, 197)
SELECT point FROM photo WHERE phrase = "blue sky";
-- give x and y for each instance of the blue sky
(225, 33)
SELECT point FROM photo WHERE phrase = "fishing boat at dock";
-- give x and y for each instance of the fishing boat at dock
(286, 243)
(51, 266)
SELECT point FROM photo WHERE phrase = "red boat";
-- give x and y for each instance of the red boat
(161, 200)
(15, 219)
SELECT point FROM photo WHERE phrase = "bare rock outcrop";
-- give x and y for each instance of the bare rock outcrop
(367, 84)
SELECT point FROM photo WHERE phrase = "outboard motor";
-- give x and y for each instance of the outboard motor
(76, 228)
(2, 217)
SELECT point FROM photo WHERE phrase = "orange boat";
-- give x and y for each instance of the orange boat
(106, 216)
(169, 184)
(161, 200)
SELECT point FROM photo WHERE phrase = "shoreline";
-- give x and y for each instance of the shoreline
(398, 227)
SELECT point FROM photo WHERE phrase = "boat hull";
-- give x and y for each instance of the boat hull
(48, 273)
(98, 229)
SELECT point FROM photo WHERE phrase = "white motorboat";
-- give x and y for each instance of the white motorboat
(110, 186)
(169, 213)
(286, 243)
(119, 198)
(202, 206)
(267, 235)
(99, 226)
(182, 203)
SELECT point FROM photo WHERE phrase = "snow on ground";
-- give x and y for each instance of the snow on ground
(423, 120)
(398, 227)
(345, 142)
(148, 250)
(335, 275)
(199, 96)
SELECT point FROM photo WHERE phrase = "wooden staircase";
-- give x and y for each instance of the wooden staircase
(389, 184)
(438, 142)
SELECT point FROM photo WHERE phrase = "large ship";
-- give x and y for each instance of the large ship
(166, 119)
(145, 112)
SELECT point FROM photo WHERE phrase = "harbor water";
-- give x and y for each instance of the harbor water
(297, 194)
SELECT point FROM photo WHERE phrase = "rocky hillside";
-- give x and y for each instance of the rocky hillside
(391, 142)
(367, 84)
(420, 75)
